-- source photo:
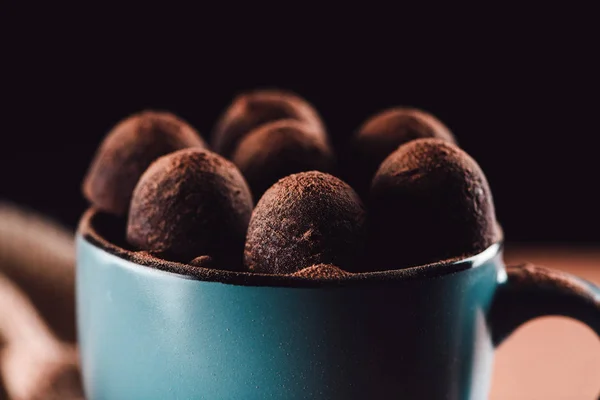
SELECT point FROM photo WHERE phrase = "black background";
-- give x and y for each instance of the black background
(518, 89)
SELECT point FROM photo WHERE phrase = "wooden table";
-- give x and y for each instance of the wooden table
(551, 358)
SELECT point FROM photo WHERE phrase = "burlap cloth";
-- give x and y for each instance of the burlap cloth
(38, 356)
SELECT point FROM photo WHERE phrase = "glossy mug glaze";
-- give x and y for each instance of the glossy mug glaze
(427, 332)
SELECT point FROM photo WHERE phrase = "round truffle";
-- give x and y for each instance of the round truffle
(305, 219)
(429, 202)
(382, 134)
(278, 149)
(127, 151)
(322, 271)
(191, 202)
(202, 261)
(250, 110)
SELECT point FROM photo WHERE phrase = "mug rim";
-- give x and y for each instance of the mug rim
(147, 262)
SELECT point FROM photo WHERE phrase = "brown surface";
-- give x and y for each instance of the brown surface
(39, 256)
(551, 357)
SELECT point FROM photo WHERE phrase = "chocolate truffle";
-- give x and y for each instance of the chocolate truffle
(191, 202)
(381, 134)
(126, 152)
(202, 261)
(322, 271)
(305, 219)
(278, 149)
(250, 110)
(429, 202)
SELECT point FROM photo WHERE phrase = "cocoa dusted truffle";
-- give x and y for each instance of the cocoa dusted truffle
(381, 135)
(252, 109)
(278, 149)
(189, 203)
(202, 261)
(322, 271)
(126, 152)
(429, 202)
(305, 219)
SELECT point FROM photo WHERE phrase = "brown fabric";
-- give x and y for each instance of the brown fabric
(34, 364)
(39, 256)
(38, 359)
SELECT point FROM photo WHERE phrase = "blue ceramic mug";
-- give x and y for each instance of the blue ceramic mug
(147, 331)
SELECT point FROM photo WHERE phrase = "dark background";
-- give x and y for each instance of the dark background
(517, 89)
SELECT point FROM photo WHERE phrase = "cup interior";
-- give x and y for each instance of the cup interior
(107, 233)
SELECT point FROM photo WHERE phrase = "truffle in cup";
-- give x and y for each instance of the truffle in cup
(252, 109)
(189, 204)
(382, 134)
(305, 219)
(429, 201)
(322, 272)
(278, 149)
(127, 151)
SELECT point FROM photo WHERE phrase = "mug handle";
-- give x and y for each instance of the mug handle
(529, 291)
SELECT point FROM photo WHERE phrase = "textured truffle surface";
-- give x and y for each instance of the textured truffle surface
(429, 201)
(278, 149)
(202, 261)
(190, 203)
(322, 271)
(127, 151)
(252, 109)
(305, 219)
(382, 134)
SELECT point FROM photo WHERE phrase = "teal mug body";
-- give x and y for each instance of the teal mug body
(421, 333)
